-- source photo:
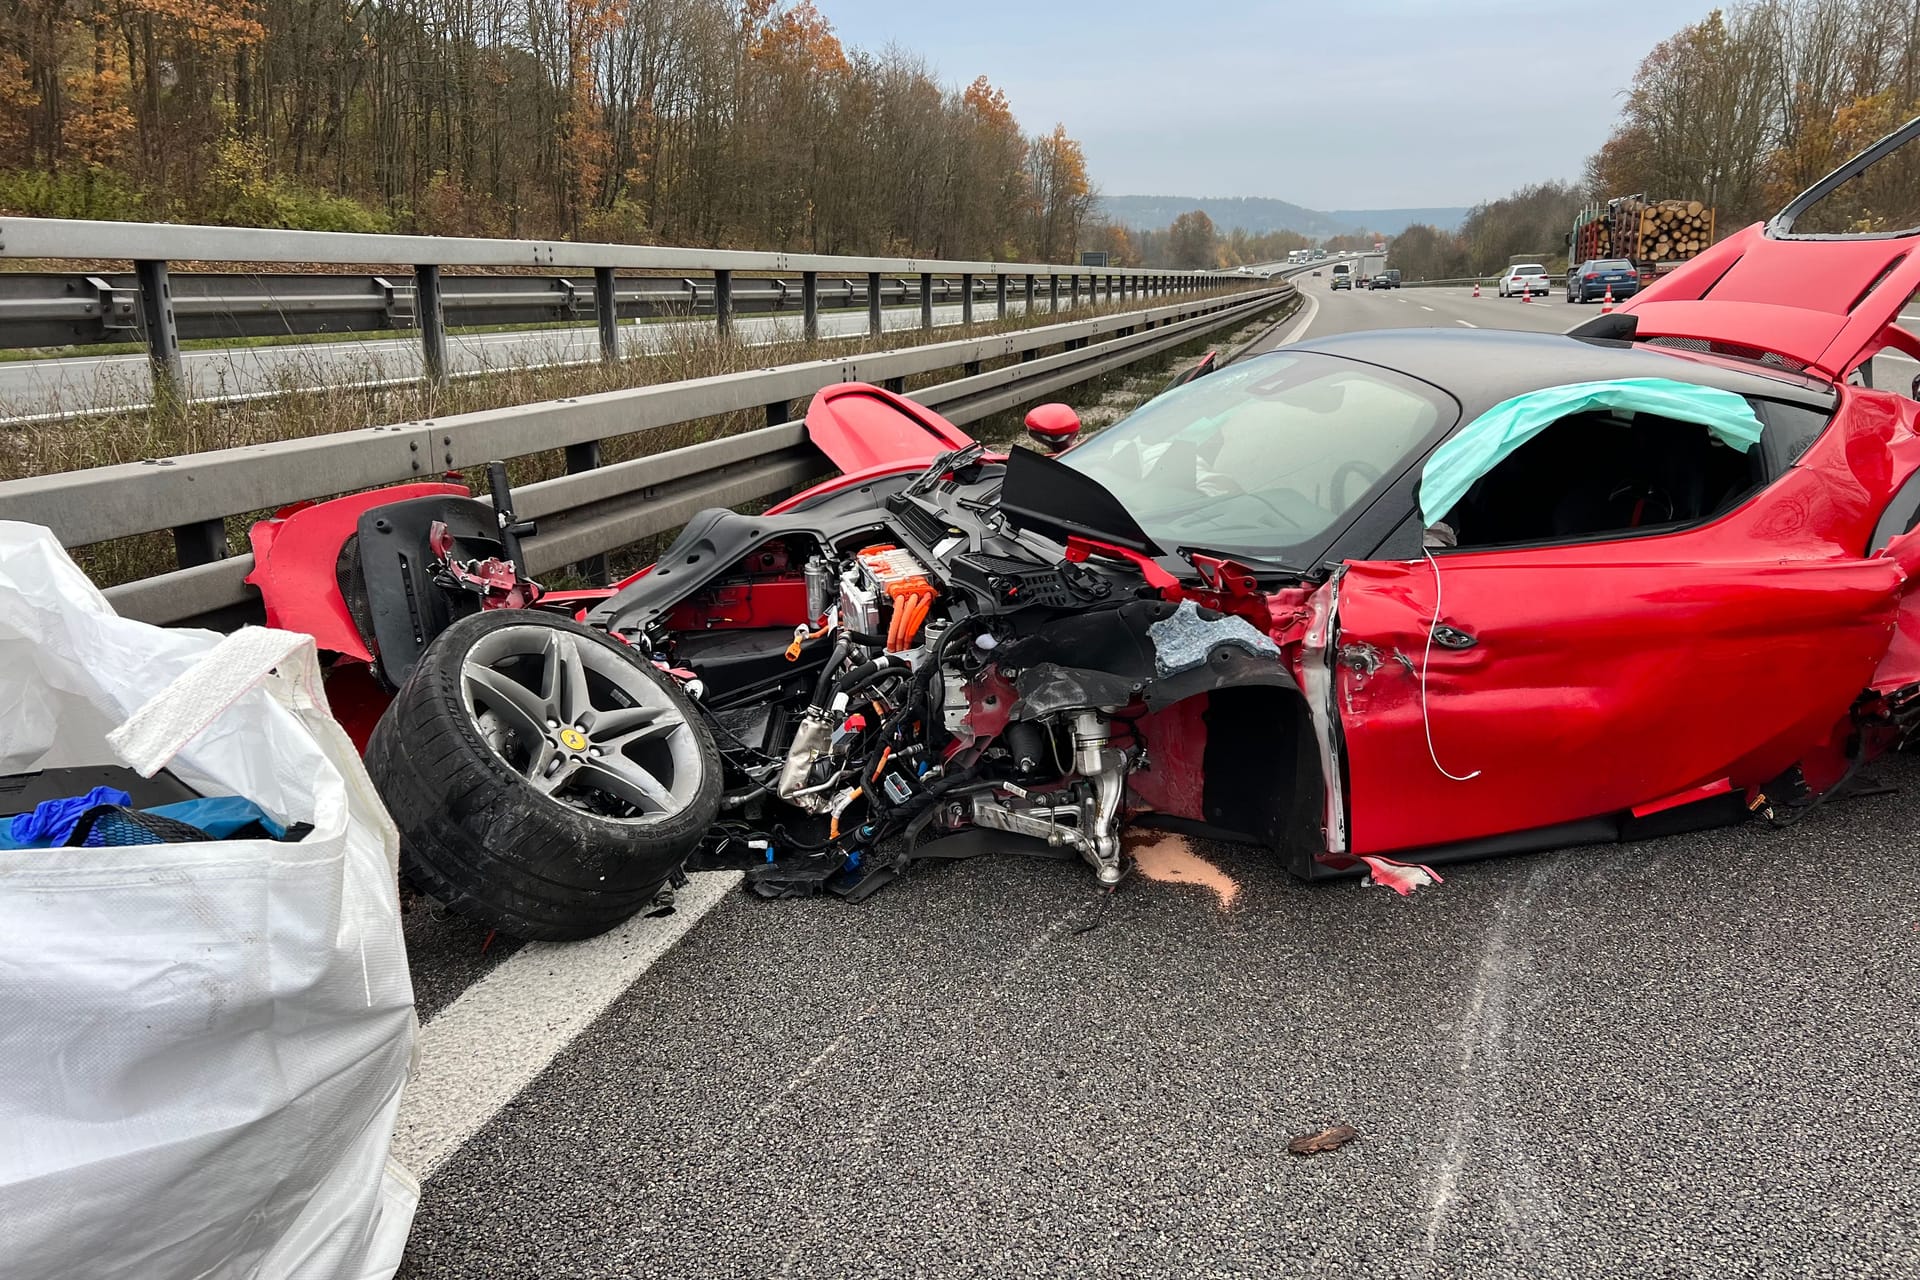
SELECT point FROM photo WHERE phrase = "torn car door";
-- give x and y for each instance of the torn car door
(1572, 682)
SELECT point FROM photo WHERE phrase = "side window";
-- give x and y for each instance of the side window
(1790, 431)
(1602, 473)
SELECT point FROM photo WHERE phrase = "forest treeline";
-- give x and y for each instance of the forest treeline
(706, 122)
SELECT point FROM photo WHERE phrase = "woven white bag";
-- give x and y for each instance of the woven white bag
(202, 1046)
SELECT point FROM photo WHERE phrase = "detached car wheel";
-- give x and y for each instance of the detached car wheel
(545, 780)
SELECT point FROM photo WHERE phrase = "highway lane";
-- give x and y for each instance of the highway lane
(1690, 1056)
(1344, 311)
(81, 383)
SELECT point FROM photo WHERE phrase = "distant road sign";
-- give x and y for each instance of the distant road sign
(1093, 258)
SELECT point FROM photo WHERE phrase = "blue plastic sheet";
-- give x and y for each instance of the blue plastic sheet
(219, 816)
(1482, 444)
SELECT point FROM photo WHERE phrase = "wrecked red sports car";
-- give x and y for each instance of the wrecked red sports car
(1375, 600)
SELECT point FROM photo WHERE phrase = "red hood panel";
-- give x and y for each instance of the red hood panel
(1822, 303)
(859, 427)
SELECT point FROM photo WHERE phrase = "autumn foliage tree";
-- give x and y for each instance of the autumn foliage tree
(725, 122)
(1750, 105)
(1191, 240)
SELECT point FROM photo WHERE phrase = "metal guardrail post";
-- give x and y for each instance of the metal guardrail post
(163, 340)
(926, 300)
(201, 542)
(1030, 295)
(810, 305)
(1073, 296)
(1000, 292)
(874, 325)
(779, 411)
(723, 302)
(1053, 294)
(896, 385)
(606, 302)
(585, 456)
(430, 310)
(966, 298)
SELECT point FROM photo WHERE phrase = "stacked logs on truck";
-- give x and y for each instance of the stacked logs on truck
(1675, 229)
(1665, 230)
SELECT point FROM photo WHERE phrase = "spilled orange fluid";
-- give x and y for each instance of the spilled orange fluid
(1170, 859)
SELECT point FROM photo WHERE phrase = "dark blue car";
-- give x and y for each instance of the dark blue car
(1593, 278)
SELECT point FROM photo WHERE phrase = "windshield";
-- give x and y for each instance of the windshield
(1531, 269)
(1265, 457)
(1613, 264)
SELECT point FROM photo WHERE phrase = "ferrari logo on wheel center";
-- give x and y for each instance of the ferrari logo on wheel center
(572, 739)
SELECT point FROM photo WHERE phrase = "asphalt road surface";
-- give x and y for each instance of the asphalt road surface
(79, 383)
(1684, 1057)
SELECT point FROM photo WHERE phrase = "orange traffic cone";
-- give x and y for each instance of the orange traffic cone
(1476, 288)
(1526, 294)
(1606, 303)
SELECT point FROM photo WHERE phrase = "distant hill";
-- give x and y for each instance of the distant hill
(1260, 213)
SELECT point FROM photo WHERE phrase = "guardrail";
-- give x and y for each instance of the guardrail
(593, 508)
(157, 307)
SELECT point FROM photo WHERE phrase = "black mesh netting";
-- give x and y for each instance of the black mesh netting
(107, 825)
(1739, 350)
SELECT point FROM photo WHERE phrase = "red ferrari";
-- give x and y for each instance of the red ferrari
(1376, 601)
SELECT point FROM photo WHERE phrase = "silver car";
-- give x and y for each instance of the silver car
(1527, 277)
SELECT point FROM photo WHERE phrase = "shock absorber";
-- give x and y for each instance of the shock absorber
(1105, 769)
(1090, 738)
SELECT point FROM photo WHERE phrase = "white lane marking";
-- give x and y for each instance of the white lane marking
(1470, 324)
(505, 1029)
(1425, 307)
(1299, 327)
(1481, 1027)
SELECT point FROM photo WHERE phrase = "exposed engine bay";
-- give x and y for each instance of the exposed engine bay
(920, 657)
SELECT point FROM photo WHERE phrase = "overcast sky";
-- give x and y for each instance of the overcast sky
(1366, 104)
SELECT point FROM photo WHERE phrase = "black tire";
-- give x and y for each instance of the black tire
(477, 835)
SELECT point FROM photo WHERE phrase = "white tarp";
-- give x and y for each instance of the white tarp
(202, 1046)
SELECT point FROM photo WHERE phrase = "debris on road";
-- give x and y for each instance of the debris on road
(1331, 1138)
(1170, 859)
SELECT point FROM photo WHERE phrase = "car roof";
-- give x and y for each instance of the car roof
(1482, 367)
